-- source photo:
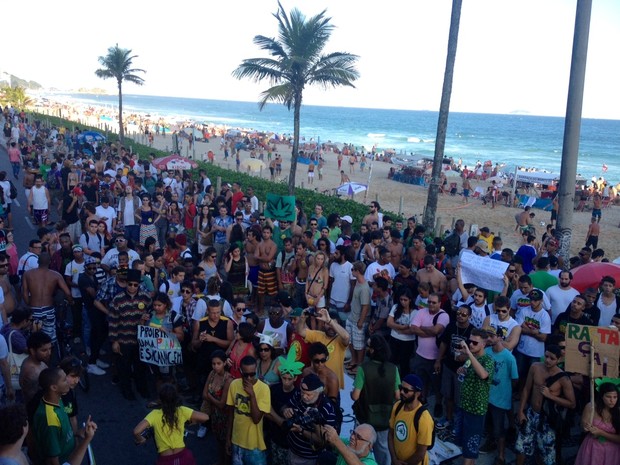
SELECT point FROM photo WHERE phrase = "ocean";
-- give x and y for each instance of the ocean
(515, 140)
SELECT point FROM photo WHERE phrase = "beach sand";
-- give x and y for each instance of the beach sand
(389, 193)
(450, 208)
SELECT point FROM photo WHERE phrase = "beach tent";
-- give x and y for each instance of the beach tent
(91, 136)
(351, 188)
(536, 177)
(174, 162)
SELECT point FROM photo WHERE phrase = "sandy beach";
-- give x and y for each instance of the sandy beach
(389, 193)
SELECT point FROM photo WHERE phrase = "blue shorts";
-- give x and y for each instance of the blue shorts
(241, 456)
(471, 435)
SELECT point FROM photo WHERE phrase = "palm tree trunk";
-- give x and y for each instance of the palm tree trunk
(444, 111)
(295, 153)
(121, 127)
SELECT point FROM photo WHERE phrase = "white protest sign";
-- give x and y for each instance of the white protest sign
(484, 272)
(158, 348)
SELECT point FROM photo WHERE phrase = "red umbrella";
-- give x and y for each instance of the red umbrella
(174, 162)
(590, 275)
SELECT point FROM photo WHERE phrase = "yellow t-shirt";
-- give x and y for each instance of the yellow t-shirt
(406, 438)
(164, 438)
(245, 433)
(336, 352)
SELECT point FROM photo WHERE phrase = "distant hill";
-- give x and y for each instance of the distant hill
(14, 81)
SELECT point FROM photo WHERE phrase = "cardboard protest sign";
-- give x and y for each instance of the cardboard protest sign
(158, 348)
(280, 207)
(579, 342)
(484, 272)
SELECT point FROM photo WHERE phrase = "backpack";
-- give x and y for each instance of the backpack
(13, 193)
(416, 421)
(435, 319)
(98, 237)
(452, 243)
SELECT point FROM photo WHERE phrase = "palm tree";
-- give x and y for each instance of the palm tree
(297, 61)
(444, 111)
(117, 64)
(15, 96)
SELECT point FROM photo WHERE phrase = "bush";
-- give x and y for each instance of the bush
(309, 198)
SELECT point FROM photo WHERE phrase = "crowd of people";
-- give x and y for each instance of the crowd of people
(271, 315)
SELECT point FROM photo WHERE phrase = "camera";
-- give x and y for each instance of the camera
(309, 418)
(310, 311)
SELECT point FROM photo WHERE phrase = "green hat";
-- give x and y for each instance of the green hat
(297, 312)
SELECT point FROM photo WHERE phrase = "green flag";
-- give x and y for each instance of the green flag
(280, 207)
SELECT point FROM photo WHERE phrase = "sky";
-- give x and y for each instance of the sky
(512, 56)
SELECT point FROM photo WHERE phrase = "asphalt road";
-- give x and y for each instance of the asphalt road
(114, 415)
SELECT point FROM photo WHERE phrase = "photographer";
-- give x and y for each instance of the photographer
(307, 411)
(357, 449)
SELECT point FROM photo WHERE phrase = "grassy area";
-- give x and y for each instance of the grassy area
(308, 197)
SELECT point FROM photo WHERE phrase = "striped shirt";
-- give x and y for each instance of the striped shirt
(126, 314)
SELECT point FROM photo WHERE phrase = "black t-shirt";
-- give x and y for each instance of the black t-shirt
(85, 282)
(452, 336)
(279, 399)
(563, 319)
(90, 192)
(69, 216)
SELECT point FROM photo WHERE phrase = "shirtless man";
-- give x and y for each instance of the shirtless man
(417, 252)
(267, 279)
(38, 288)
(8, 290)
(593, 232)
(373, 215)
(300, 268)
(318, 353)
(430, 274)
(546, 382)
(597, 203)
(39, 355)
(395, 246)
(523, 219)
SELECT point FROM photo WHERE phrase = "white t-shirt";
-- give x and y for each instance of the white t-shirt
(375, 268)
(74, 269)
(170, 288)
(560, 299)
(129, 218)
(478, 314)
(607, 311)
(341, 273)
(108, 213)
(404, 319)
(111, 257)
(528, 345)
(503, 328)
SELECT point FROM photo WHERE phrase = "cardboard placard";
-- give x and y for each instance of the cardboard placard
(158, 348)
(580, 339)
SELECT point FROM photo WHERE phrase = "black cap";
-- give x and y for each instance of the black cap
(134, 276)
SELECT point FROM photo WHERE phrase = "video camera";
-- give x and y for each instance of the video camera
(310, 417)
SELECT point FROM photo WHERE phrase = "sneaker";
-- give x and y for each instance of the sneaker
(102, 364)
(95, 370)
(442, 423)
(202, 431)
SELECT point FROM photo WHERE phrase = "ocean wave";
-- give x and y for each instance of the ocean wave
(373, 135)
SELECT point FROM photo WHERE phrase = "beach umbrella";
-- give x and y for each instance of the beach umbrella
(590, 274)
(91, 136)
(351, 188)
(252, 164)
(174, 162)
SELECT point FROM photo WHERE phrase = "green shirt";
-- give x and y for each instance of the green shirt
(53, 432)
(475, 391)
(368, 460)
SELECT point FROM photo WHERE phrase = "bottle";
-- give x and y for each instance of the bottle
(461, 376)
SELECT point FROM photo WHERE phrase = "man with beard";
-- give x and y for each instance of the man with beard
(561, 295)
(408, 443)
(355, 450)
(306, 440)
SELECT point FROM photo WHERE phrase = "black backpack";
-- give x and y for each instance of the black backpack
(416, 421)
(452, 243)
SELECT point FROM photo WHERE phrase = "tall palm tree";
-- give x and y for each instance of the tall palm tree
(296, 61)
(15, 96)
(444, 111)
(117, 64)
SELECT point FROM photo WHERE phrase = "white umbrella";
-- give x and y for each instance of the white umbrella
(351, 188)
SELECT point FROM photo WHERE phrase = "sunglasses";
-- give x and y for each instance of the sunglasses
(405, 390)
(264, 349)
(133, 284)
(473, 343)
(5, 265)
(186, 291)
(249, 375)
(502, 311)
(319, 360)
(240, 309)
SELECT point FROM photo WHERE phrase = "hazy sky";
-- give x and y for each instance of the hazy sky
(512, 55)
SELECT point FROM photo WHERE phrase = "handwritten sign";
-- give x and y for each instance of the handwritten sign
(483, 272)
(579, 342)
(158, 348)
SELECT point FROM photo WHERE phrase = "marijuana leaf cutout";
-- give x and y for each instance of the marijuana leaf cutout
(280, 207)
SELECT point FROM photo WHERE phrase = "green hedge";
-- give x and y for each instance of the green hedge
(261, 186)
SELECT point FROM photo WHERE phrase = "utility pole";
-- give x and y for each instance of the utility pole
(572, 128)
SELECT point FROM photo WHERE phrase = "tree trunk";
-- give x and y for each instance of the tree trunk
(121, 127)
(295, 153)
(572, 129)
(444, 111)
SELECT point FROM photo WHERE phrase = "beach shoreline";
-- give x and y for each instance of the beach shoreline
(389, 193)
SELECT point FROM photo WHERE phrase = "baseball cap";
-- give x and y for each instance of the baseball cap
(77, 248)
(485, 229)
(536, 294)
(284, 298)
(347, 218)
(311, 383)
(414, 381)
(483, 245)
(297, 312)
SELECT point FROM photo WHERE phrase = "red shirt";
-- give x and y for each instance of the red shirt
(236, 197)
